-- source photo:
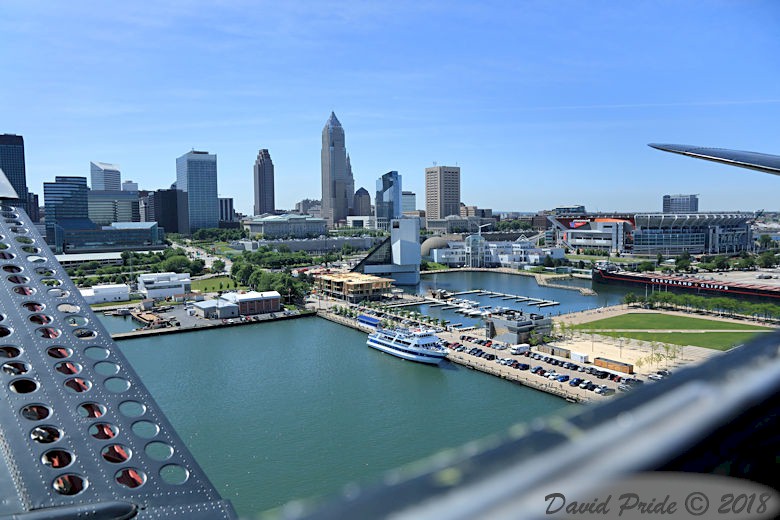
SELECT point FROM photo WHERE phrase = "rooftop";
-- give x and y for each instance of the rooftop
(354, 278)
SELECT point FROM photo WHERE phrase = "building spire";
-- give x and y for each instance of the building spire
(333, 120)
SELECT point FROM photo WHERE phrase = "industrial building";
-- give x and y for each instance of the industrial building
(163, 285)
(106, 293)
(254, 302)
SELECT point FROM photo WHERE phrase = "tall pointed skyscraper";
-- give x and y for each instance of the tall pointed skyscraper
(264, 183)
(336, 176)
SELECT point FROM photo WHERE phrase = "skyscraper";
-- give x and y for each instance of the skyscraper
(226, 212)
(388, 198)
(196, 175)
(65, 199)
(129, 186)
(105, 177)
(442, 191)
(12, 164)
(171, 211)
(408, 201)
(264, 183)
(681, 204)
(337, 178)
(362, 204)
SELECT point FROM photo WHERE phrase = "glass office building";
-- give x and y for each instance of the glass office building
(12, 164)
(388, 198)
(196, 175)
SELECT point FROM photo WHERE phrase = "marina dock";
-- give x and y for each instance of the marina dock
(517, 298)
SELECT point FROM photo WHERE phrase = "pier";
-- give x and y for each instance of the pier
(518, 298)
(521, 377)
(207, 324)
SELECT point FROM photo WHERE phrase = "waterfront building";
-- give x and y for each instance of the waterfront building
(129, 186)
(671, 234)
(264, 183)
(196, 175)
(603, 234)
(362, 203)
(476, 251)
(680, 203)
(408, 201)
(336, 177)
(105, 207)
(352, 287)
(171, 210)
(105, 176)
(398, 256)
(288, 225)
(163, 285)
(106, 293)
(217, 309)
(387, 203)
(254, 302)
(518, 328)
(442, 191)
(13, 165)
(226, 211)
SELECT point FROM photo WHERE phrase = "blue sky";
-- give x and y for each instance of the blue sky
(541, 103)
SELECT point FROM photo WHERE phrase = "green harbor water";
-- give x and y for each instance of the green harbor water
(293, 409)
(278, 411)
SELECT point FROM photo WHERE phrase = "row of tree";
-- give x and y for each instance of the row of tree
(691, 302)
(258, 278)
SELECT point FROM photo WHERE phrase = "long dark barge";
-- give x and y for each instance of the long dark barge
(687, 283)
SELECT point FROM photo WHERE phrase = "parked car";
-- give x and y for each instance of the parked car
(563, 378)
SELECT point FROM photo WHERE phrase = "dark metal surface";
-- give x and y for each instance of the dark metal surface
(752, 160)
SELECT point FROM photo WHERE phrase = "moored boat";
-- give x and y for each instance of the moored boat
(421, 345)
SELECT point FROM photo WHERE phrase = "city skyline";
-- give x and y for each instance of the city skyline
(566, 93)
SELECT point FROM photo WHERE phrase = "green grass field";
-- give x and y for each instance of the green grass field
(212, 284)
(714, 340)
(658, 321)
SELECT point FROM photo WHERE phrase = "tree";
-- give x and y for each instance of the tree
(629, 299)
(548, 261)
(218, 266)
(766, 259)
(765, 241)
